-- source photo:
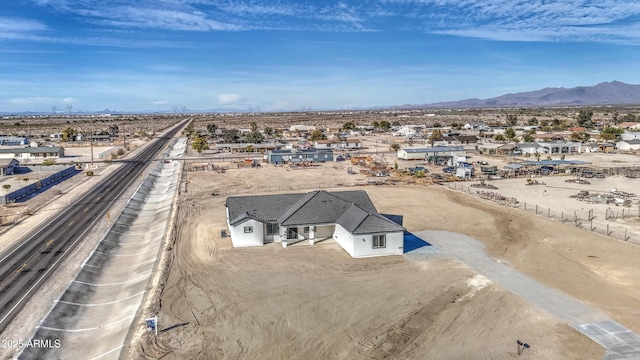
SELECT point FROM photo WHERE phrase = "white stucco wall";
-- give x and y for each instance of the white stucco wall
(344, 239)
(241, 239)
(363, 245)
(410, 156)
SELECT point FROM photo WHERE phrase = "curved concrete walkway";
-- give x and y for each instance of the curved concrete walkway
(619, 342)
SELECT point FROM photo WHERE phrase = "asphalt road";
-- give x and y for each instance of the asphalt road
(26, 266)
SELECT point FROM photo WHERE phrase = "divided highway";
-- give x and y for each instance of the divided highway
(26, 266)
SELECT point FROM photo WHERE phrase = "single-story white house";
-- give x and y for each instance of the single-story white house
(425, 153)
(38, 153)
(348, 217)
(628, 145)
(562, 147)
(628, 135)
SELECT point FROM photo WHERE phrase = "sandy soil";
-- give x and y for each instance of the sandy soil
(317, 302)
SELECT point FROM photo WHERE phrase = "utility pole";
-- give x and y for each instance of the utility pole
(91, 142)
(124, 136)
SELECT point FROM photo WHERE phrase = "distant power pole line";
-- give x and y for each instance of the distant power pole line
(54, 109)
(175, 109)
(184, 110)
(69, 107)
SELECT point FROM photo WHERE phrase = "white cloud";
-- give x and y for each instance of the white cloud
(159, 102)
(228, 99)
(40, 100)
(14, 25)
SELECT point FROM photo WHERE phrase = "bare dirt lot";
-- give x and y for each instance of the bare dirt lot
(317, 302)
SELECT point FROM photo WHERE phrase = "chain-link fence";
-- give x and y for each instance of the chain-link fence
(599, 221)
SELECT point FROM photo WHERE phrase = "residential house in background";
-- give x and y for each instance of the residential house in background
(32, 153)
(628, 145)
(285, 156)
(629, 126)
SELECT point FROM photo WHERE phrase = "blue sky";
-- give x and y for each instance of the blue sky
(237, 55)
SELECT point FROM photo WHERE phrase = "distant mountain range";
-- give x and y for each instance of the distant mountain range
(606, 93)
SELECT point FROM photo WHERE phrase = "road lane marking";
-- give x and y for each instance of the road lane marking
(136, 254)
(21, 267)
(124, 267)
(107, 353)
(118, 283)
(87, 329)
(71, 223)
(50, 241)
(100, 304)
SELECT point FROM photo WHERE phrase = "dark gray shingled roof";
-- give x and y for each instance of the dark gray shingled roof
(358, 221)
(316, 207)
(353, 210)
(265, 207)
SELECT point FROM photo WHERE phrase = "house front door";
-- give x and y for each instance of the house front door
(292, 233)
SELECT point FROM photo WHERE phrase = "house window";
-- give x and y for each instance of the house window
(306, 229)
(248, 229)
(272, 229)
(379, 241)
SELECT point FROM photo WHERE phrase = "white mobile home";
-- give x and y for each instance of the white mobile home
(426, 153)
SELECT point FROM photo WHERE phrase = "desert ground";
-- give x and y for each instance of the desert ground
(317, 302)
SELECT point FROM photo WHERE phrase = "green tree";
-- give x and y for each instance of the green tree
(527, 138)
(499, 137)
(437, 125)
(376, 125)
(48, 162)
(628, 118)
(211, 128)
(69, 134)
(385, 125)
(268, 131)
(435, 135)
(6, 187)
(532, 122)
(253, 126)
(317, 135)
(584, 118)
(512, 119)
(610, 133)
(510, 133)
(199, 144)
(231, 137)
(349, 125)
(396, 123)
(394, 147)
(576, 136)
(537, 155)
(255, 137)
(113, 130)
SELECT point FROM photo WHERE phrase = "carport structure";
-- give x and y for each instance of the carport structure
(106, 296)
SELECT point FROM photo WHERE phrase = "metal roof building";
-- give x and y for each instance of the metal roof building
(423, 153)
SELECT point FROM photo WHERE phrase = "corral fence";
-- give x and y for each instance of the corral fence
(596, 221)
(29, 189)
